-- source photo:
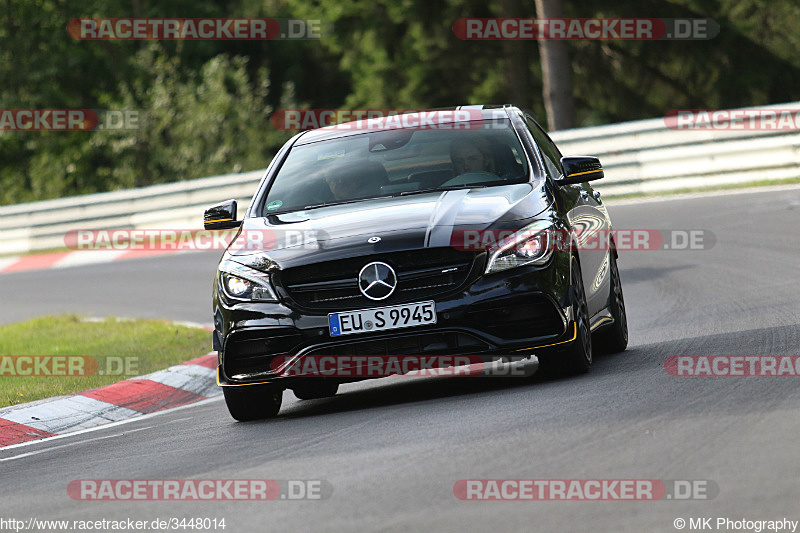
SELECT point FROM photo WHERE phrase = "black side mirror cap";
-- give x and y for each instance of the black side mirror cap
(578, 169)
(221, 216)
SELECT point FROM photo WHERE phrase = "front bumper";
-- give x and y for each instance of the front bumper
(521, 311)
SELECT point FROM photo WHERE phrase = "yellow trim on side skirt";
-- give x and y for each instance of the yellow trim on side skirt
(574, 336)
(240, 384)
(582, 173)
(602, 322)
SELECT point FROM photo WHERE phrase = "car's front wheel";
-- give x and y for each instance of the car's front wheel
(253, 402)
(577, 358)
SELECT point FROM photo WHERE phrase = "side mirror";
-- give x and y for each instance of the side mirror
(221, 216)
(578, 169)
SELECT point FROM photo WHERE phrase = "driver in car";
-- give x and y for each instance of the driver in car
(344, 187)
(472, 155)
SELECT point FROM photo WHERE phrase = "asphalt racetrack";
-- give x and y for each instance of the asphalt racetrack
(393, 449)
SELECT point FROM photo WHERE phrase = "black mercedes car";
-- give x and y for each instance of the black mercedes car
(456, 232)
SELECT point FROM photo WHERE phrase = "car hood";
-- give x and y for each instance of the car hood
(383, 225)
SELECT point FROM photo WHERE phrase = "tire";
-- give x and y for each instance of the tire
(316, 389)
(614, 339)
(577, 358)
(253, 402)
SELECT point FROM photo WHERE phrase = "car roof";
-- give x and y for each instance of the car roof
(444, 116)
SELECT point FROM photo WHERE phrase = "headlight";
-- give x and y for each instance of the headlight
(244, 283)
(532, 245)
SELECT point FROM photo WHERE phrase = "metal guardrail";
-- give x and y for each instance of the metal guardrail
(639, 157)
(647, 157)
(180, 205)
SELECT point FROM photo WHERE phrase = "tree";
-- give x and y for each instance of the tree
(556, 72)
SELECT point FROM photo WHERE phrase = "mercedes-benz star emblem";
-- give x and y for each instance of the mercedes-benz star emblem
(377, 281)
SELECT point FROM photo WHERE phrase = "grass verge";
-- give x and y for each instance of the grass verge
(34, 252)
(117, 350)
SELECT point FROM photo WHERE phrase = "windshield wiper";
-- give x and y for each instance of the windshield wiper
(447, 188)
(338, 202)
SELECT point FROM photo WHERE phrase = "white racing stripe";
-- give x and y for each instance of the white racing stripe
(440, 225)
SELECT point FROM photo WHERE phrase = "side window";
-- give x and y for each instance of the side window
(552, 157)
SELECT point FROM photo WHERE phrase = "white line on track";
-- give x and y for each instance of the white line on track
(111, 425)
(37, 452)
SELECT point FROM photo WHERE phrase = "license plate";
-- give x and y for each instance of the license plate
(382, 318)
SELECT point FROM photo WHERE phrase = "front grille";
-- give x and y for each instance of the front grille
(421, 274)
(433, 343)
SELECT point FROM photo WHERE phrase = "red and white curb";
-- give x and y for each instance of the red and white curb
(178, 385)
(73, 259)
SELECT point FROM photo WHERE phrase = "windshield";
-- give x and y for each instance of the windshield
(396, 162)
